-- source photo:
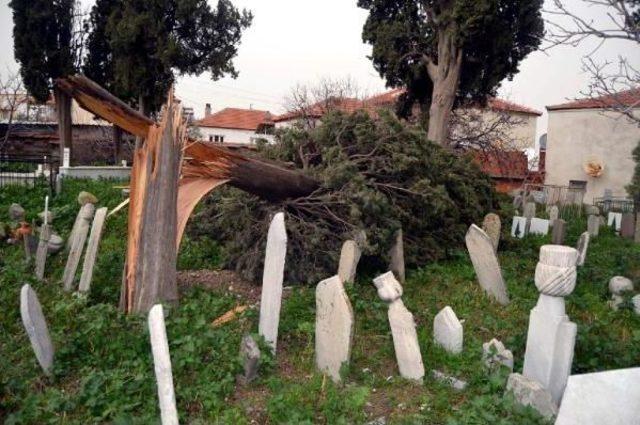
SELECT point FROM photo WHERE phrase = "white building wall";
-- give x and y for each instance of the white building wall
(576, 136)
(244, 137)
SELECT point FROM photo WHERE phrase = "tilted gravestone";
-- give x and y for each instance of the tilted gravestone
(628, 226)
(551, 336)
(334, 327)
(77, 245)
(272, 280)
(593, 225)
(485, 263)
(519, 227)
(582, 247)
(36, 327)
(92, 250)
(492, 227)
(349, 258)
(162, 366)
(447, 330)
(403, 328)
(396, 256)
(559, 232)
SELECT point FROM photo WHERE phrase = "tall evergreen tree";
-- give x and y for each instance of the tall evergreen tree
(43, 35)
(447, 51)
(634, 186)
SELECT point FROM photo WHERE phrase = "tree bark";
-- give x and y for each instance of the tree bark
(63, 110)
(445, 76)
(117, 144)
(144, 110)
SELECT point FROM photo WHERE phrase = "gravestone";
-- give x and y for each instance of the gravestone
(36, 327)
(492, 227)
(403, 328)
(485, 263)
(396, 256)
(618, 285)
(334, 327)
(92, 250)
(16, 213)
(559, 232)
(614, 220)
(591, 210)
(593, 225)
(582, 247)
(272, 278)
(43, 250)
(519, 227)
(162, 366)
(494, 354)
(250, 354)
(77, 245)
(529, 213)
(627, 226)
(554, 214)
(529, 392)
(349, 258)
(611, 397)
(453, 382)
(447, 330)
(56, 243)
(551, 336)
(539, 226)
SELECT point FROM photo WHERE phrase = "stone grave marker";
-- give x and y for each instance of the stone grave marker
(455, 383)
(403, 328)
(36, 327)
(349, 258)
(447, 330)
(583, 247)
(618, 285)
(334, 327)
(529, 213)
(539, 226)
(614, 220)
(43, 243)
(627, 226)
(77, 245)
(519, 227)
(92, 250)
(250, 354)
(554, 214)
(485, 263)
(272, 278)
(529, 392)
(492, 227)
(551, 336)
(495, 354)
(610, 397)
(396, 256)
(162, 366)
(559, 232)
(593, 225)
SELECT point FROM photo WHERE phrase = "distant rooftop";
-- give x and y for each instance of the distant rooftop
(629, 98)
(236, 118)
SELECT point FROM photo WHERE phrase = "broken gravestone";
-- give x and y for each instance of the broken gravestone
(162, 366)
(494, 355)
(618, 285)
(250, 354)
(396, 256)
(77, 245)
(582, 247)
(272, 279)
(403, 328)
(485, 263)
(492, 227)
(36, 327)
(447, 330)
(334, 327)
(349, 258)
(529, 392)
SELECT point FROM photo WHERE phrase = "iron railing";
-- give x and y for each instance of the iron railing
(614, 204)
(25, 170)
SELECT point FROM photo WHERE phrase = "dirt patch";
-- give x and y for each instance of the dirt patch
(220, 280)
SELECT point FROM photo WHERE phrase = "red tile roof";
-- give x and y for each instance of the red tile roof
(317, 110)
(504, 105)
(629, 98)
(235, 118)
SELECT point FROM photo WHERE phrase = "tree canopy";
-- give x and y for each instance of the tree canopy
(410, 38)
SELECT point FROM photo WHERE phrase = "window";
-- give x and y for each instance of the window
(218, 138)
(211, 138)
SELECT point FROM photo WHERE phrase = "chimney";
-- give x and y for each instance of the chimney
(207, 110)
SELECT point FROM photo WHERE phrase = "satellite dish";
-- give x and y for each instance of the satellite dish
(594, 167)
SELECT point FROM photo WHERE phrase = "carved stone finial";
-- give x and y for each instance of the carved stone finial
(389, 289)
(556, 271)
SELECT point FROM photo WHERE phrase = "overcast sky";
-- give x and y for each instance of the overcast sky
(301, 41)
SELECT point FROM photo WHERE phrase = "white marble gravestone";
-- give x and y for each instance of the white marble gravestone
(36, 327)
(611, 397)
(539, 226)
(495, 354)
(162, 366)
(349, 258)
(272, 278)
(485, 263)
(447, 330)
(334, 327)
(551, 336)
(92, 250)
(583, 247)
(79, 237)
(492, 227)
(403, 328)
(593, 225)
(518, 227)
(529, 392)
(554, 213)
(616, 218)
(43, 243)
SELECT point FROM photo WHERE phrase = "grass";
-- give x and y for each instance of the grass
(103, 371)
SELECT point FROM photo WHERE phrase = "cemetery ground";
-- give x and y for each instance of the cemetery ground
(103, 370)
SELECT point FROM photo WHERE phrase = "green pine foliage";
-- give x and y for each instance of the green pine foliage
(377, 175)
(634, 187)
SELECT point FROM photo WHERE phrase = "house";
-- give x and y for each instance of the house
(235, 126)
(589, 146)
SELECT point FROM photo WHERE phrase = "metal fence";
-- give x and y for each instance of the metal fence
(568, 199)
(614, 204)
(29, 171)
